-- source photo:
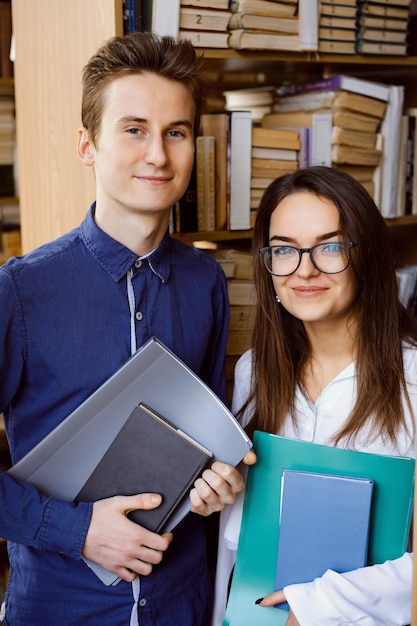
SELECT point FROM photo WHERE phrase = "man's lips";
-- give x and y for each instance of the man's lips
(154, 180)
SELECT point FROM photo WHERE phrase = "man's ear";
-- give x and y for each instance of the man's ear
(85, 147)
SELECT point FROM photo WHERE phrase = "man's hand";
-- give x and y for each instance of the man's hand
(277, 598)
(120, 545)
(218, 486)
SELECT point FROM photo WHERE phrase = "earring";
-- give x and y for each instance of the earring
(277, 299)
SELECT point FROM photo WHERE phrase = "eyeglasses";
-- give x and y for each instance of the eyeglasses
(330, 258)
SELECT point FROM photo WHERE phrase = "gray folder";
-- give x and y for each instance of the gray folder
(61, 463)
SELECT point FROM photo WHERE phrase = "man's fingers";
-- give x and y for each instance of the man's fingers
(144, 501)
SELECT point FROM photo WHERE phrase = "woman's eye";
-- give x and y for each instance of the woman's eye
(283, 251)
(332, 248)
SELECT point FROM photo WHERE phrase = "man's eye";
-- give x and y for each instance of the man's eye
(175, 133)
(133, 131)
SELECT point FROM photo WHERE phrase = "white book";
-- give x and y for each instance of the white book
(308, 12)
(321, 139)
(391, 131)
(166, 17)
(240, 170)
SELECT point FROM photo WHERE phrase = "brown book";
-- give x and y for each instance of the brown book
(337, 98)
(355, 156)
(353, 138)
(205, 38)
(242, 317)
(195, 18)
(206, 4)
(341, 117)
(264, 7)
(337, 47)
(374, 21)
(242, 39)
(333, 21)
(256, 21)
(242, 259)
(385, 9)
(239, 341)
(337, 34)
(275, 138)
(241, 292)
(217, 125)
(272, 173)
(260, 182)
(345, 10)
(206, 181)
(385, 48)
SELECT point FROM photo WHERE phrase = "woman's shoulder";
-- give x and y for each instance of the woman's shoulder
(242, 381)
(244, 364)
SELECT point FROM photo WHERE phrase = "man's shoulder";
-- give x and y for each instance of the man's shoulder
(44, 254)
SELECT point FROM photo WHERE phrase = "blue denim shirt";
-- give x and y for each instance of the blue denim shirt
(65, 327)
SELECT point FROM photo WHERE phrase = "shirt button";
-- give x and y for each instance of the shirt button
(138, 263)
(139, 316)
(142, 602)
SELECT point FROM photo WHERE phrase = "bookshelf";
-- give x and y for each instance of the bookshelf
(53, 40)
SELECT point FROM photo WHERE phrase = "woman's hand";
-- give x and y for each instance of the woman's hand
(277, 598)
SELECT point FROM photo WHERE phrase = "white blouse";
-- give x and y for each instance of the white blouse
(370, 596)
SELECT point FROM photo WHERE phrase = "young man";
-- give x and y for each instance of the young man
(74, 310)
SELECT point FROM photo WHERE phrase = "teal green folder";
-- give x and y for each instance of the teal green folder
(255, 569)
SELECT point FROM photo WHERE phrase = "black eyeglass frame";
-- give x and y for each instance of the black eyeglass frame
(301, 251)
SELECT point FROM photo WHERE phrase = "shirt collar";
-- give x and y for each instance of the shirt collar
(114, 257)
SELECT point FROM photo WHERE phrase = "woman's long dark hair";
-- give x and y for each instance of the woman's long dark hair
(280, 345)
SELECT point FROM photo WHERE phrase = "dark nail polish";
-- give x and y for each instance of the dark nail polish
(258, 601)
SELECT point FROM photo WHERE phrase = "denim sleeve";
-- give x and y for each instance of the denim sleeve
(26, 515)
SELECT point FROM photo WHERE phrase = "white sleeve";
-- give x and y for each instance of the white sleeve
(370, 596)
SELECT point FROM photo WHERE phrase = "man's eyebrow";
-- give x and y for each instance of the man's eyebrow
(131, 119)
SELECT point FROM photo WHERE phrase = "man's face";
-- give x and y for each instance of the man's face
(145, 149)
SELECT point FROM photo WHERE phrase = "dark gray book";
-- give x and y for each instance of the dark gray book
(149, 455)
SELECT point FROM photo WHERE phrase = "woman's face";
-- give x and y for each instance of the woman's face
(304, 220)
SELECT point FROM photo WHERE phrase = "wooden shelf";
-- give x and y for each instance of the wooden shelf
(6, 86)
(233, 235)
(306, 57)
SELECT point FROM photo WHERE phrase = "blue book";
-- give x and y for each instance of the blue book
(324, 524)
(256, 563)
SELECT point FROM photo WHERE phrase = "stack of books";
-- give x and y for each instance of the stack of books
(264, 25)
(337, 26)
(232, 132)
(383, 28)
(204, 23)
(7, 146)
(275, 152)
(351, 113)
(257, 100)
(242, 300)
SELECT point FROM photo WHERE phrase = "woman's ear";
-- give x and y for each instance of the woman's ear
(85, 147)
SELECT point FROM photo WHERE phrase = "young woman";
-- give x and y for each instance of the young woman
(334, 361)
